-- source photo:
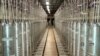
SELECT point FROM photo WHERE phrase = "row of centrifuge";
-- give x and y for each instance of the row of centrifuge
(20, 37)
(80, 37)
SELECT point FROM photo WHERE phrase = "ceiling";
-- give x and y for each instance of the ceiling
(51, 6)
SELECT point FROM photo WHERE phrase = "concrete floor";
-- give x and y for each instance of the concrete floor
(50, 49)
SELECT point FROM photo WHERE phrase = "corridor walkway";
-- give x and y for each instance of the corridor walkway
(50, 44)
(51, 48)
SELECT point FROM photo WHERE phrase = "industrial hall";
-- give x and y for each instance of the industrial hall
(49, 27)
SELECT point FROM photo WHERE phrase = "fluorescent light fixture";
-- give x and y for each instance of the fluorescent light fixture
(47, 3)
(48, 8)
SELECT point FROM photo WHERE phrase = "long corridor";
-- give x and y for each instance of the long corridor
(51, 48)
(49, 27)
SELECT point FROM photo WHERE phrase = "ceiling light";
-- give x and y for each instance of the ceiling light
(47, 3)
(48, 8)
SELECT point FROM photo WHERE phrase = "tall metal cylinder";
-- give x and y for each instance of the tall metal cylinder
(8, 39)
(92, 31)
(23, 26)
(18, 38)
(97, 41)
(28, 39)
(83, 39)
(74, 38)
